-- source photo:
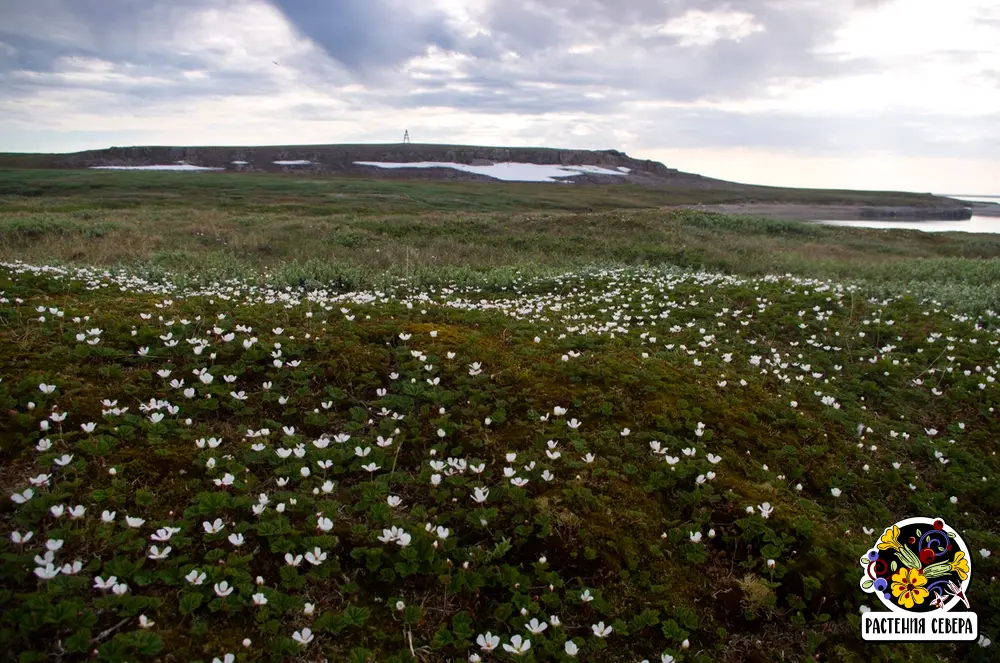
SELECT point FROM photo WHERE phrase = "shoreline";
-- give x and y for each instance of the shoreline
(821, 212)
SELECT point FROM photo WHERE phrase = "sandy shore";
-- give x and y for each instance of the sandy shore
(810, 212)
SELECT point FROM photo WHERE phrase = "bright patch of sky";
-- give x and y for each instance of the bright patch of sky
(701, 28)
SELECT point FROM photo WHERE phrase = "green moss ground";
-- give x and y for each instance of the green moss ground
(619, 526)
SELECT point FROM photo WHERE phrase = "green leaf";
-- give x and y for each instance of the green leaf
(355, 616)
(359, 655)
(147, 643)
(442, 638)
(462, 626)
(868, 584)
(190, 602)
(79, 642)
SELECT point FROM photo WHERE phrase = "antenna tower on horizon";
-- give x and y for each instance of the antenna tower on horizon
(406, 136)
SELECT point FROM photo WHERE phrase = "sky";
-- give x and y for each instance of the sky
(871, 94)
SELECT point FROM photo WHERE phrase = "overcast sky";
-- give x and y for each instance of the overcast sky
(892, 94)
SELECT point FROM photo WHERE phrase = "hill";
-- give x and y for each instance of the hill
(578, 166)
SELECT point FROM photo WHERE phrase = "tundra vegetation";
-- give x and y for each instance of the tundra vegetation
(267, 418)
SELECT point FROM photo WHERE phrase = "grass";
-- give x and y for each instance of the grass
(359, 233)
(697, 396)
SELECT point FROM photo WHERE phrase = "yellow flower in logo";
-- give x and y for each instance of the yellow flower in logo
(960, 565)
(890, 539)
(908, 587)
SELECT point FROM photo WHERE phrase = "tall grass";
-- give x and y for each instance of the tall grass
(350, 234)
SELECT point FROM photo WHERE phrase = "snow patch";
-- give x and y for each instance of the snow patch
(180, 165)
(294, 162)
(624, 169)
(507, 171)
(240, 163)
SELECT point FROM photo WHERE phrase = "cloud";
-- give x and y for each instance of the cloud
(821, 77)
(369, 35)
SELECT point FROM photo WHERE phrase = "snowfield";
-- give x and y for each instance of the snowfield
(506, 171)
(180, 166)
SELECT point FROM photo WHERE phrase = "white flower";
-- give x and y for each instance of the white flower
(47, 572)
(236, 539)
(156, 553)
(394, 500)
(259, 599)
(57, 510)
(480, 495)
(222, 589)
(713, 459)
(226, 480)
(666, 658)
(195, 577)
(293, 560)
(303, 637)
(213, 528)
(145, 622)
(120, 589)
(571, 648)
(984, 641)
(316, 556)
(100, 583)
(695, 537)
(21, 539)
(46, 388)
(586, 597)
(487, 641)
(518, 646)
(21, 498)
(88, 427)
(600, 630)
(765, 509)
(535, 626)
(770, 563)
(984, 552)
(134, 523)
(835, 492)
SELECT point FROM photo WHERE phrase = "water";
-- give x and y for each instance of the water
(977, 224)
